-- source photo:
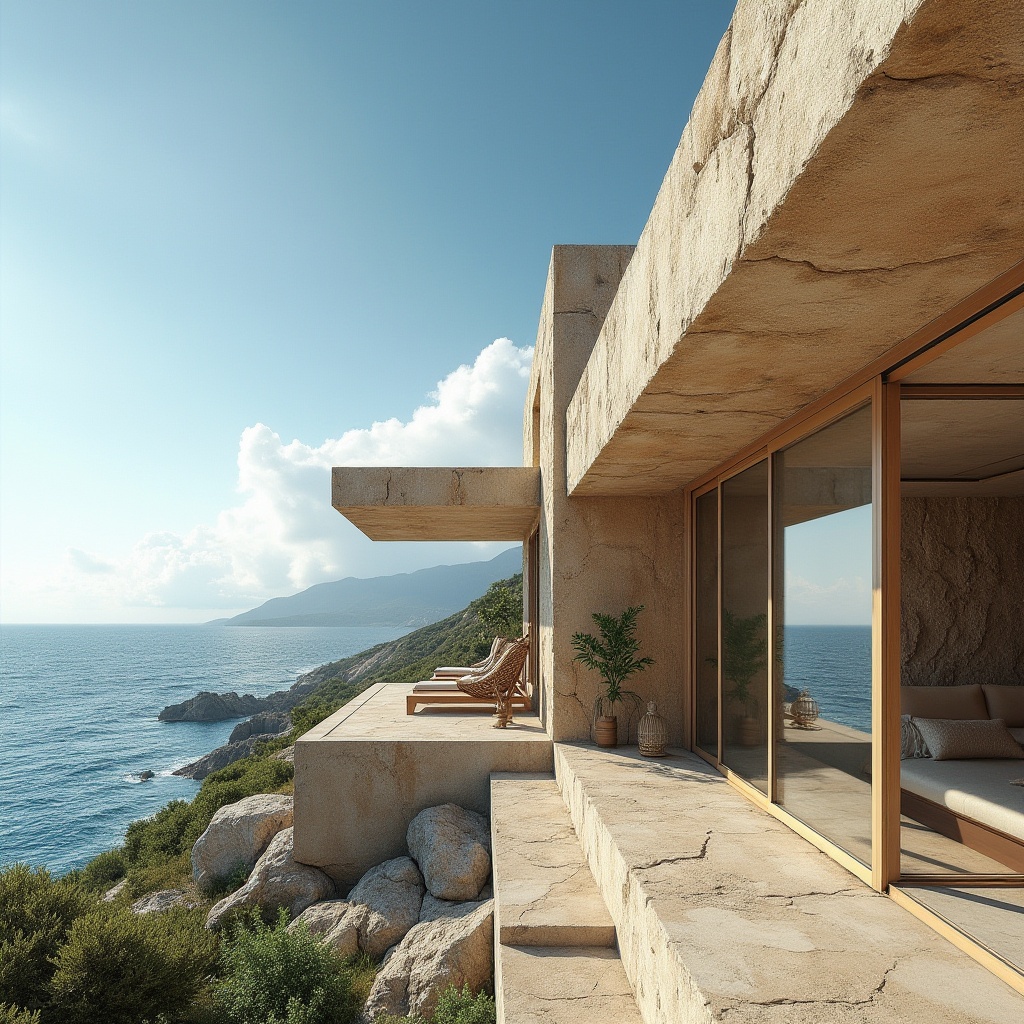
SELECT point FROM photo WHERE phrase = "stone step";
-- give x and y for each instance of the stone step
(562, 985)
(544, 892)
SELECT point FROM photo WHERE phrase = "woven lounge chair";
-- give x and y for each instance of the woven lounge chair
(454, 672)
(443, 688)
(500, 682)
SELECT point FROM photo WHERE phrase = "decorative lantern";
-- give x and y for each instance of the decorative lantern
(651, 733)
(804, 710)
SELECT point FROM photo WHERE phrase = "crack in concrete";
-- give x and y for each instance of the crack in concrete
(387, 488)
(839, 271)
(824, 1001)
(676, 860)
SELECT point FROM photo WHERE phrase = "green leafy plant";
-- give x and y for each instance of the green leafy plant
(745, 650)
(614, 657)
(36, 914)
(125, 968)
(501, 610)
(274, 976)
(453, 1007)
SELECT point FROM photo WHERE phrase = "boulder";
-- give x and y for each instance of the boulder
(382, 906)
(453, 849)
(239, 834)
(329, 920)
(211, 707)
(456, 949)
(264, 725)
(155, 902)
(276, 881)
(288, 754)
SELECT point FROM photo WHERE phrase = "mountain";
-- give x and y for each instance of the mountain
(406, 599)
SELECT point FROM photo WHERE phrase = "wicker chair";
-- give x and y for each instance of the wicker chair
(455, 672)
(500, 681)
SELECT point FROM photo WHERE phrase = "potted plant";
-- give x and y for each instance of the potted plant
(614, 656)
(745, 649)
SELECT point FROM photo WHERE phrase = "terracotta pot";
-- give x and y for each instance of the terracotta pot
(750, 732)
(607, 731)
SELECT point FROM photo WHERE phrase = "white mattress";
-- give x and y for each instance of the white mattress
(979, 789)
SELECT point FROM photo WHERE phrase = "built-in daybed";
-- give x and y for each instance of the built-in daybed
(971, 799)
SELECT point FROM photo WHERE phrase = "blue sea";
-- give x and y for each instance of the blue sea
(78, 720)
(833, 663)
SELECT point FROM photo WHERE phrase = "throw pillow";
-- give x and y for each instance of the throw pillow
(956, 740)
(911, 741)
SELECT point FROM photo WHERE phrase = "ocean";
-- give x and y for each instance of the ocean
(833, 663)
(78, 720)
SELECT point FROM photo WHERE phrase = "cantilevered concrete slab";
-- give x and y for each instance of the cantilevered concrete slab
(850, 171)
(434, 503)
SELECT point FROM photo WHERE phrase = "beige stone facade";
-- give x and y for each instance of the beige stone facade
(845, 204)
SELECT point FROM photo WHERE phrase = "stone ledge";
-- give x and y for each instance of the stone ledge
(724, 914)
(544, 892)
(551, 985)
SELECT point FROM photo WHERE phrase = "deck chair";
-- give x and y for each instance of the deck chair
(454, 672)
(501, 680)
(442, 687)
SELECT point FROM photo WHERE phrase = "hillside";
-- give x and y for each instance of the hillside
(404, 599)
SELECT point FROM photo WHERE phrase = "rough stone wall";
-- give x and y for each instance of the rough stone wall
(597, 554)
(962, 614)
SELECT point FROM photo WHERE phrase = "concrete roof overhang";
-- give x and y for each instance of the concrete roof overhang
(851, 170)
(438, 503)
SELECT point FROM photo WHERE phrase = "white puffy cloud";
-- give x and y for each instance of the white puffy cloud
(283, 535)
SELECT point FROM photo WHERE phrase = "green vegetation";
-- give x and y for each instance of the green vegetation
(67, 957)
(614, 657)
(273, 976)
(454, 1007)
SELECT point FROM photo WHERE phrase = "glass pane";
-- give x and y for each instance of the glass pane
(822, 611)
(706, 622)
(745, 624)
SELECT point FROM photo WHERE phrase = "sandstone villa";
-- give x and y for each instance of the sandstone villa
(794, 407)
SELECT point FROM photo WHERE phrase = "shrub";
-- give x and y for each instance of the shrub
(123, 968)
(273, 976)
(455, 1007)
(104, 870)
(36, 913)
(159, 838)
(12, 1015)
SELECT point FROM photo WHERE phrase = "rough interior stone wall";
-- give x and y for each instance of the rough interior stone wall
(597, 554)
(962, 613)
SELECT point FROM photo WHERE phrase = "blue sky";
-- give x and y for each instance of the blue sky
(231, 233)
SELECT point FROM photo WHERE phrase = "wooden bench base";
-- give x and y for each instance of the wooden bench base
(519, 700)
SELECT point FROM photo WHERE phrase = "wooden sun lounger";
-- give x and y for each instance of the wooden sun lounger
(434, 692)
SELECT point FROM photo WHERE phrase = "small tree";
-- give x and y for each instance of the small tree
(745, 649)
(501, 610)
(614, 657)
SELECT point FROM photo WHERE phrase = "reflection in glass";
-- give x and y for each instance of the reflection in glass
(706, 619)
(822, 615)
(745, 624)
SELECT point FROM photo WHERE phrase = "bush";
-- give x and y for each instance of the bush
(104, 870)
(273, 976)
(455, 1007)
(123, 968)
(36, 913)
(12, 1015)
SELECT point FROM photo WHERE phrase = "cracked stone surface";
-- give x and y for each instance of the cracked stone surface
(723, 913)
(557, 985)
(370, 762)
(849, 171)
(544, 892)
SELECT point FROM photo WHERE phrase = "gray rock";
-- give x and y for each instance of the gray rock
(238, 835)
(156, 902)
(211, 707)
(114, 891)
(265, 724)
(382, 906)
(276, 881)
(452, 847)
(455, 949)
(288, 754)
